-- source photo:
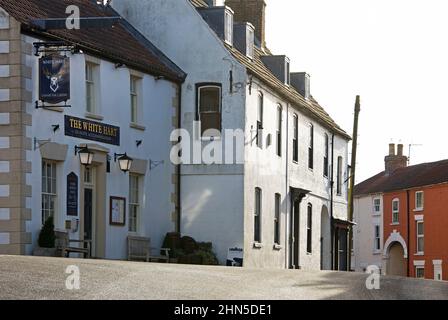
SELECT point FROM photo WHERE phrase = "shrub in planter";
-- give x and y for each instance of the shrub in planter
(47, 237)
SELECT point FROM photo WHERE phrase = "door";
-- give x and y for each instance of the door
(396, 265)
(342, 249)
(294, 241)
(88, 214)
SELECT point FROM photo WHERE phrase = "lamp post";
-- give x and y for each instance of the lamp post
(124, 161)
(85, 155)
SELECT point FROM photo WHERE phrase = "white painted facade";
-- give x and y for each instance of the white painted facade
(367, 217)
(156, 112)
(217, 201)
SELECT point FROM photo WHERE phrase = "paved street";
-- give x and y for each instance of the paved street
(44, 278)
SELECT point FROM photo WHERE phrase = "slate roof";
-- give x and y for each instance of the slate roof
(257, 68)
(122, 43)
(420, 175)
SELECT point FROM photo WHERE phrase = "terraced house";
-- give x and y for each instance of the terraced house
(283, 203)
(401, 219)
(77, 108)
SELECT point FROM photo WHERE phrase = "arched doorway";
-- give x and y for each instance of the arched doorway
(396, 255)
(325, 240)
(396, 264)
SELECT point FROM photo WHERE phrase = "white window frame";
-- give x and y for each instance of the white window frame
(250, 43)
(135, 96)
(417, 207)
(311, 147)
(396, 212)
(134, 203)
(228, 32)
(309, 229)
(339, 176)
(376, 212)
(326, 155)
(295, 138)
(51, 195)
(420, 251)
(260, 119)
(93, 83)
(279, 135)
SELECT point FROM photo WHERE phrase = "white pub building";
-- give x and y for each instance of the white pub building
(85, 120)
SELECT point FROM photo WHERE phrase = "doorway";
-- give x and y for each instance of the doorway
(295, 236)
(90, 207)
(396, 266)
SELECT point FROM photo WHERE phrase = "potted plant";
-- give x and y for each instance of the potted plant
(47, 238)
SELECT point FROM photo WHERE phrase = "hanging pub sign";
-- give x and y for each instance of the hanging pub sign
(91, 130)
(54, 79)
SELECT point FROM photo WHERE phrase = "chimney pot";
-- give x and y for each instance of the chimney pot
(400, 150)
(392, 149)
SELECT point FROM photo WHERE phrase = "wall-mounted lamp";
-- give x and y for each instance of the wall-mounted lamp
(85, 155)
(124, 161)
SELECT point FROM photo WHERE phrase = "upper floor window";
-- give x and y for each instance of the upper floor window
(257, 216)
(260, 110)
(419, 200)
(420, 237)
(295, 138)
(277, 219)
(209, 109)
(91, 87)
(309, 229)
(279, 130)
(395, 211)
(311, 147)
(49, 190)
(377, 205)
(326, 155)
(229, 27)
(339, 177)
(135, 96)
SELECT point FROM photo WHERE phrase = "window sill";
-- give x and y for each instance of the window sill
(94, 116)
(278, 247)
(258, 245)
(419, 254)
(395, 224)
(376, 252)
(376, 214)
(295, 162)
(137, 126)
(309, 253)
(418, 210)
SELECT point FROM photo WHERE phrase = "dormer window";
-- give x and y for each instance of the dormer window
(250, 43)
(228, 32)
(288, 74)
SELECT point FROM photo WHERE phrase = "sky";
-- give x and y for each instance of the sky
(394, 54)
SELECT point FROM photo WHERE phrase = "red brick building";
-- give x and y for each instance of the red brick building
(415, 216)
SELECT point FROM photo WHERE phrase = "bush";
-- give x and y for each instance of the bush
(47, 237)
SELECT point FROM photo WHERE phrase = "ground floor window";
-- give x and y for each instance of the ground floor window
(257, 216)
(309, 229)
(134, 203)
(49, 191)
(277, 219)
(377, 245)
(420, 272)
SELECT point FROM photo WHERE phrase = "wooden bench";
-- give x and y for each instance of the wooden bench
(63, 245)
(139, 248)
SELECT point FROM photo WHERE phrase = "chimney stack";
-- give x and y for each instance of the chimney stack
(395, 161)
(252, 11)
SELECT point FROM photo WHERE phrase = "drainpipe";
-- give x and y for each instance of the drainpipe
(332, 202)
(287, 187)
(179, 167)
(409, 229)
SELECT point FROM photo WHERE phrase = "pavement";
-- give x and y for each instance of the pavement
(23, 277)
